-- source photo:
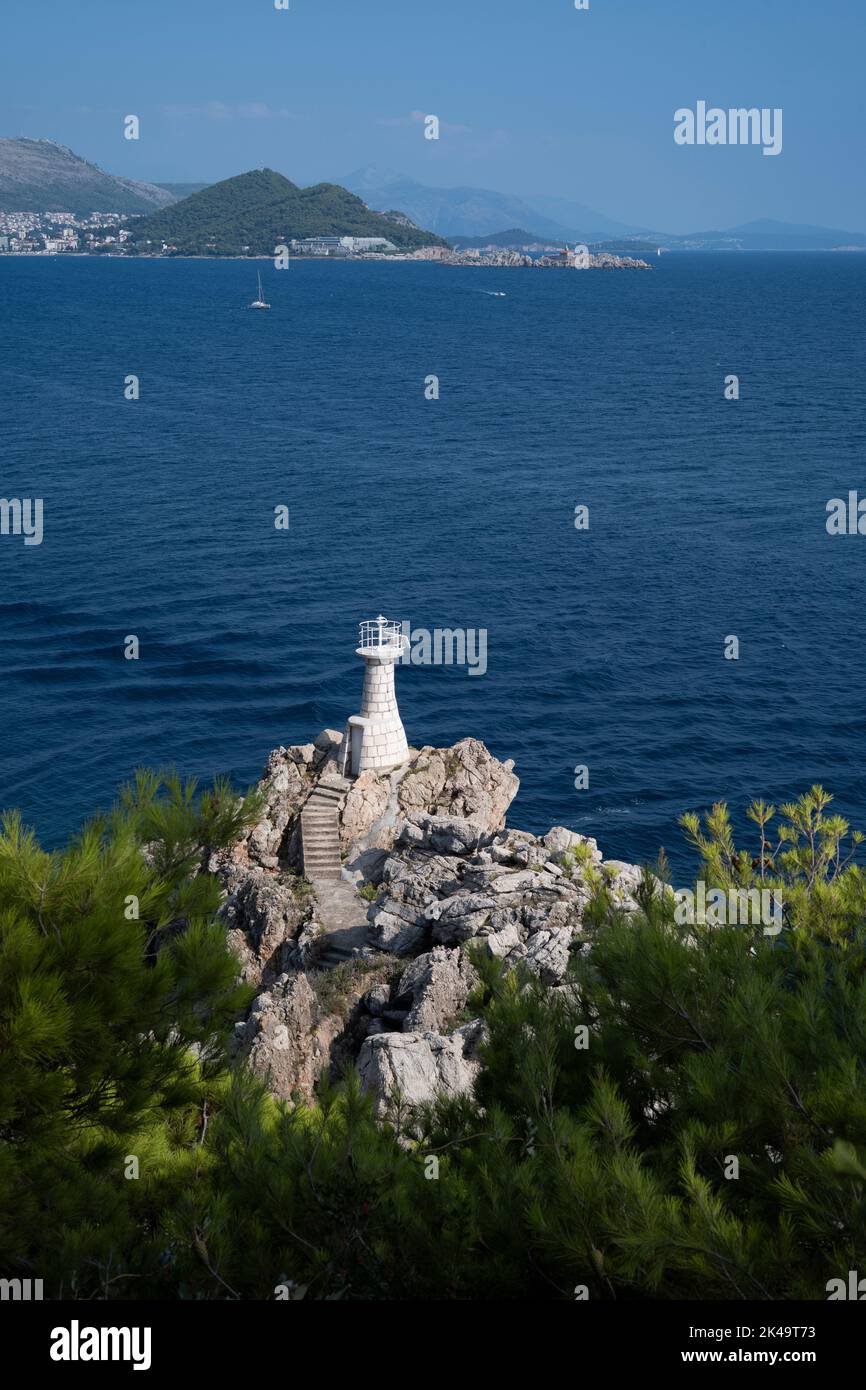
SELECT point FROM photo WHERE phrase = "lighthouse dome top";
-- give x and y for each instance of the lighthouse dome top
(380, 635)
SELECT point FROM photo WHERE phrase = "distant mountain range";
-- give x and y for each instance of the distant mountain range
(515, 239)
(764, 235)
(254, 212)
(479, 211)
(769, 235)
(466, 214)
(39, 176)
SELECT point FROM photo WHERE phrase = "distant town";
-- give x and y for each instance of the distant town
(48, 233)
(108, 233)
(54, 233)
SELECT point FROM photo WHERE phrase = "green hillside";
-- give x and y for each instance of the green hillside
(41, 176)
(257, 211)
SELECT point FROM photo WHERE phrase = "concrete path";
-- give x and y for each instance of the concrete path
(343, 915)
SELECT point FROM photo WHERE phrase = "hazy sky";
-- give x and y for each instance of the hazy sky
(534, 97)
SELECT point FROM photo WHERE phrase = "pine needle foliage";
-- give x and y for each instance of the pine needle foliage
(684, 1118)
(116, 991)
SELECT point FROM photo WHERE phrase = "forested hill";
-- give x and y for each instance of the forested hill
(41, 176)
(259, 210)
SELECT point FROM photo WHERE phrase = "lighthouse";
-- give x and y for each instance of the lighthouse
(375, 738)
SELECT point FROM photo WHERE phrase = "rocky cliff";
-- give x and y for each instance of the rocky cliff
(373, 970)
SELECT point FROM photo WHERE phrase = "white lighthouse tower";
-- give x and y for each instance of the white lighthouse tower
(376, 738)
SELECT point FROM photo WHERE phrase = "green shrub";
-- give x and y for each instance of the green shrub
(686, 1118)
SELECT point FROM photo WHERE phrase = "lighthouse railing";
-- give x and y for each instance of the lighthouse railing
(376, 635)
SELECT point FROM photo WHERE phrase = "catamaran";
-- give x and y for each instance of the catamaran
(260, 302)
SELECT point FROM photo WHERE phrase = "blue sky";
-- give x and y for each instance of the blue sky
(534, 97)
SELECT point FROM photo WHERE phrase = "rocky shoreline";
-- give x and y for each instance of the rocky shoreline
(374, 970)
(604, 260)
(593, 260)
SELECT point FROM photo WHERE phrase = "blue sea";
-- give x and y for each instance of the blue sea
(605, 647)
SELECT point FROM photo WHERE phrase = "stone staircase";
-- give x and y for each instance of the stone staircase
(343, 914)
(320, 831)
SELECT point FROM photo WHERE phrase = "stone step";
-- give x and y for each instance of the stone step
(338, 952)
(332, 781)
(332, 956)
(320, 843)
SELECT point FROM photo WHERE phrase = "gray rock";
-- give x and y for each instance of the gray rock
(465, 781)
(283, 1040)
(623, 881)
(418, 1066)
(394, 934)
(560, 842)
(376, 1000)
(501, 943)
(366, 802)
(262, 916)
(285, 785)
(442, 834)
(547, 955)
(438, 984)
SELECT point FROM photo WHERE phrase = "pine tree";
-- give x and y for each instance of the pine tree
(685, 1118)
(116, 990)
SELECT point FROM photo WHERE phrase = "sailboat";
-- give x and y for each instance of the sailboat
(260, 302)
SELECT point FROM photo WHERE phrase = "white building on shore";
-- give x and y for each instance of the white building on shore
(341, 245)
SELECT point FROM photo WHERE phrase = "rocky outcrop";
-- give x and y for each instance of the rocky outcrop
(429, 842)
(435, 988)
(499, 256)
(280, 1039)
(407, 1070)
(464, 781)
(446, 884)
(366, 805)
(263, 915)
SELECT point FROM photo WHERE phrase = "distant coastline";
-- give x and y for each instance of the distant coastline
(494, 261)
